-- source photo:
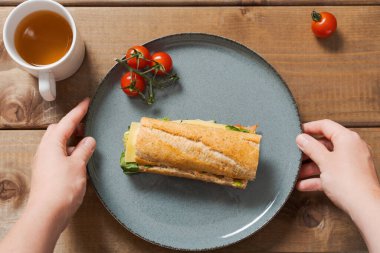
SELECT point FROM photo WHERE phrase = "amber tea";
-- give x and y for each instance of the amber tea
(43, 37)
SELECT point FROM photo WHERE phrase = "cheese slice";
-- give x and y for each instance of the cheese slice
(199, 122)
(131, 135)
(130, 142)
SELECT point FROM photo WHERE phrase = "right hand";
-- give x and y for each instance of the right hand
(343, 162)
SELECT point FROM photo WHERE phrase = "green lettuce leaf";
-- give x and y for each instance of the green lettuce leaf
(238, 129)
(237, 183)
(128, 167)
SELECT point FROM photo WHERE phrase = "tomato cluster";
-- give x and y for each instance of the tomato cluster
(145, 68)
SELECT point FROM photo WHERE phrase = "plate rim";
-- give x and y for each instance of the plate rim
(294, 104)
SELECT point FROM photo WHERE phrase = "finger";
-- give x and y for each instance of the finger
(68, 124)
(49, 130)
(84, 149)
(309, 169)
(70, 150)
(311, 184)
(325, 142)
(312, 148)
(328, 128)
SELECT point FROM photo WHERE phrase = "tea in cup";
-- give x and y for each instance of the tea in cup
(41, 36)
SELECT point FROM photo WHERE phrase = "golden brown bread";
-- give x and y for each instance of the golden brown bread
(230, 154)
(207, 177)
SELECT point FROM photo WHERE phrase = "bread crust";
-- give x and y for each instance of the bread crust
(187, 147)
(206, 177)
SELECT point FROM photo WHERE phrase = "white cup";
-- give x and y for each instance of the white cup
(47, 74)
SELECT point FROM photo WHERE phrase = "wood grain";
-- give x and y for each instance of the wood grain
(337, 78)
(203, 2)
(309, 222)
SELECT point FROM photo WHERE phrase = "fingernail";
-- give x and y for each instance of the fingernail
(302, 141)
(90, 143)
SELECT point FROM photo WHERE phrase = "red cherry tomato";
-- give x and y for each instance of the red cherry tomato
(138, 63)
(323, 24)
(164, 60)
(127, 79)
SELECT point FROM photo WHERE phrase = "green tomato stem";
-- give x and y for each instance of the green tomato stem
(317, 17)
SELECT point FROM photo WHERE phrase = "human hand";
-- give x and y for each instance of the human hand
(343, 162)
(59, 172)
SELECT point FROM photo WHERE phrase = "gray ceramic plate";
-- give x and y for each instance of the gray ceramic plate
(220, 80)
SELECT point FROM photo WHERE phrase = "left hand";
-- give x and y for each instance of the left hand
(59, 172)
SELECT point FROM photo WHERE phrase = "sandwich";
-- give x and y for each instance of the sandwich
(194, 149)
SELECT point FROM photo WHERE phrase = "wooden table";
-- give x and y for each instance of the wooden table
(338, 78)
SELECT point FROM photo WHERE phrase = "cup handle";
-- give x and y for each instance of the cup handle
(46, 84)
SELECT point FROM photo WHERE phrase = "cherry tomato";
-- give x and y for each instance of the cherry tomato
(165, 60)
(143, 51)
(323, 24)
(127, 79)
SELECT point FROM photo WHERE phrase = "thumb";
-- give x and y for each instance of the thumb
(84, 149)
(312, 148)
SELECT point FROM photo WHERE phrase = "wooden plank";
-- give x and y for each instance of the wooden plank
(204, 2)
(309, 222)
(336, 78)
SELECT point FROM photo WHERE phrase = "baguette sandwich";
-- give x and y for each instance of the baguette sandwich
(195, 149)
